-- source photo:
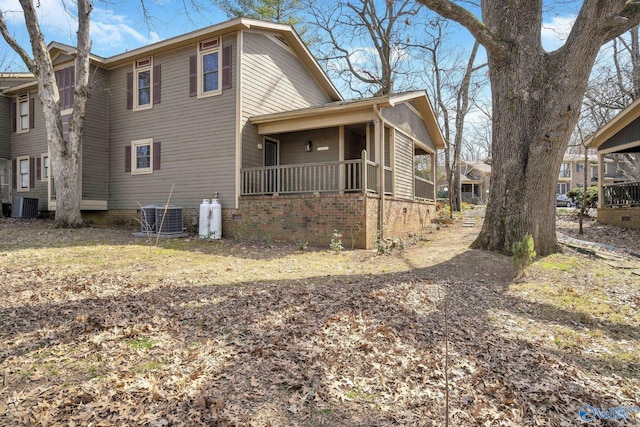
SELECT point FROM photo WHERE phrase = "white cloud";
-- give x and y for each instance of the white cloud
(556, 31)
(111, 33)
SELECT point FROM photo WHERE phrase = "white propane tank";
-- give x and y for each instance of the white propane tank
(203, 226)
(215, 219)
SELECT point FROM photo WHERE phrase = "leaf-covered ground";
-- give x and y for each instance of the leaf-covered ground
(101, 329)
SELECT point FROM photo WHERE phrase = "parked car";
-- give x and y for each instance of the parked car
(563, 201)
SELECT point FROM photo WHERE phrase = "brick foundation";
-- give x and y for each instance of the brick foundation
(303, 218)
(622, 217)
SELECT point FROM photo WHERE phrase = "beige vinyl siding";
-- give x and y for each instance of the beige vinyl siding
(292, 146)
(32, 144)
(197, 138)
(273, 80)
(403, 165)
(5, 127)
(405, 119)
(95, 140)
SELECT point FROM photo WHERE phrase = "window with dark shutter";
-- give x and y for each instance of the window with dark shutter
(32, 175)
(130, 91)
(156, 156)
(156, 84)
(32, 113)
(127, 158)
(193, 75)
(39, 168)
(227, 54)
(65, 81)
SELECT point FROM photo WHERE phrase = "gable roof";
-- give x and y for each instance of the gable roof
(286, 32)
(615, 125)
(338, 109)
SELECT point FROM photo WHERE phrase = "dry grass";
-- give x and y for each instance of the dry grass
(99, 328)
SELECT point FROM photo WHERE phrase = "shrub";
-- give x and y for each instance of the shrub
(577, 195)
(336, 241)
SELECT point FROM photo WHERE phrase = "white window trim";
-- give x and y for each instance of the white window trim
(44, 178)
(560, 175)
(23, 97)
(134, 169)
(19, 186)
(136, 95)
(201, 53)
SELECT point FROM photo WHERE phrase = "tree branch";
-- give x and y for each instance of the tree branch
(15, 46)
(482, 34)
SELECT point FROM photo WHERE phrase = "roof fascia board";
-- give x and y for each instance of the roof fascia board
(318, 111)
(316, 121)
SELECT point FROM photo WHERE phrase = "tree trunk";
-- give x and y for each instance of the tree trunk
(536, 103)
(536, 98)
(64, 154)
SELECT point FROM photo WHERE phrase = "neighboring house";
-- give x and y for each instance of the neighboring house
(475, 181)
(572, 172)
(619, 197)
(240, 109)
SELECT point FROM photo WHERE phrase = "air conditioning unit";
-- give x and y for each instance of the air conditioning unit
(148, 219)
(24, 207)
(169, 220)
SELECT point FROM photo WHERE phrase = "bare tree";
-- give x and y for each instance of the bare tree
(368, 42)
(450, 88)
(65, 153)
(279, 11)
(536, 98)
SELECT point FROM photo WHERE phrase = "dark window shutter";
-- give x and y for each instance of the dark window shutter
(127, 158)
(32, 172)
(129, 91)
(38, 168)
(14, 116)
(227, 55)
(156, 156)
(32, 113)
(156, 84)
(193, 75)
(14, 175)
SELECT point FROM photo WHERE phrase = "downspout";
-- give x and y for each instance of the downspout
(381, 160)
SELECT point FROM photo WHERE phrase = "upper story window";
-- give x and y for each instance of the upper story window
(579, 167)
(22, 124)
(65, 79)
(210, 70)
(209, 75)
(565, 170)
(143, 84)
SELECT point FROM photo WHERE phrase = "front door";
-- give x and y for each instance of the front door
(271, 159)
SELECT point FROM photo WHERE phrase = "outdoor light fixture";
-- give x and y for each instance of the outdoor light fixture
(308, 146)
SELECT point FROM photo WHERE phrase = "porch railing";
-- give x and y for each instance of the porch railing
(625, 194)
(341, 176)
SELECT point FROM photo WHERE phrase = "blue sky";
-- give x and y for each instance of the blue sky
(118, 25)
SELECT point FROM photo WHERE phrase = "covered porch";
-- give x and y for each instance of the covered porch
(375, 152)
(618, 144)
